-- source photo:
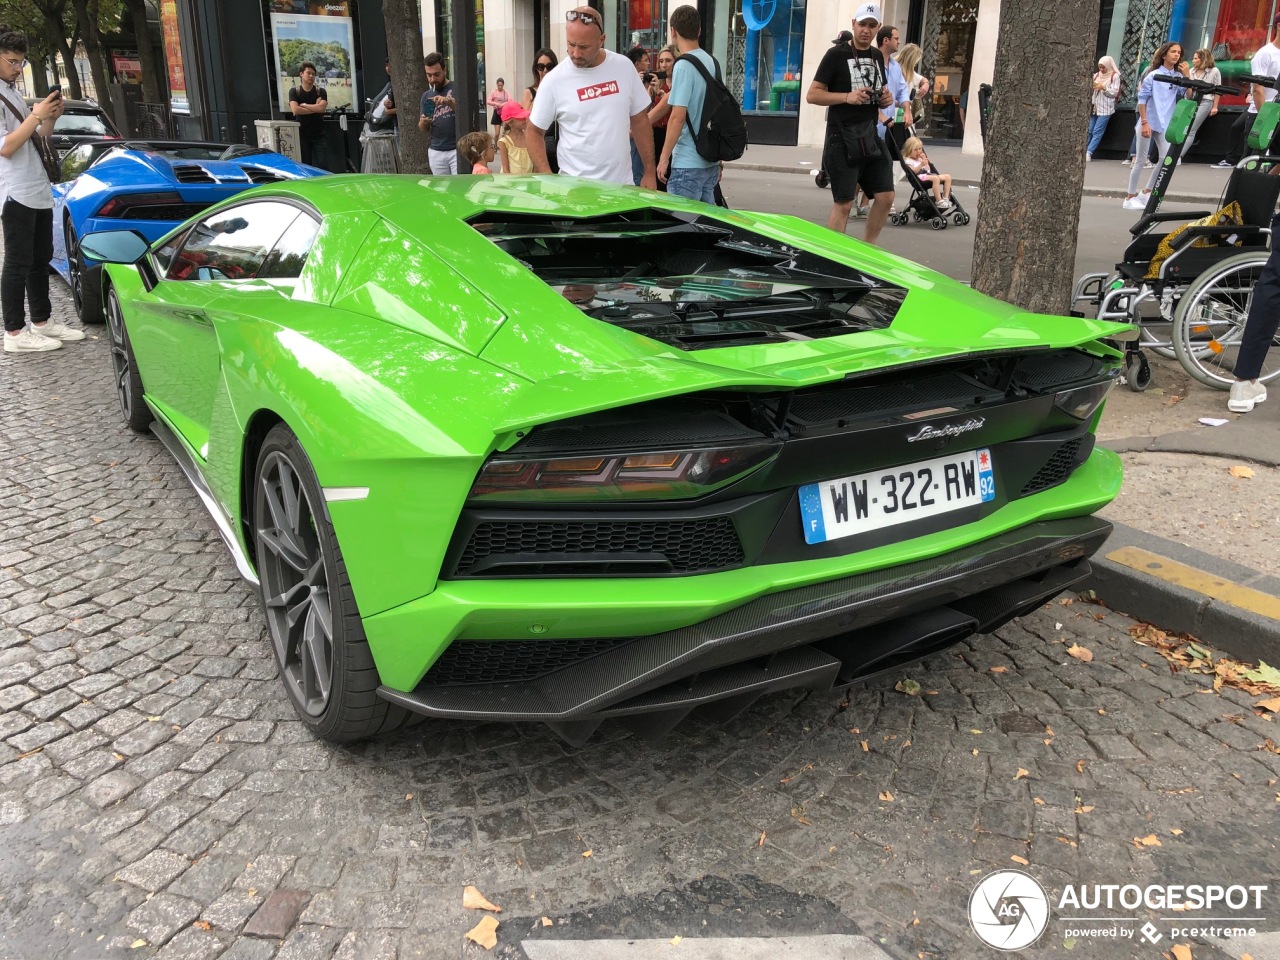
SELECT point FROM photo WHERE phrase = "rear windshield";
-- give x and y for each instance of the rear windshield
(87, 124)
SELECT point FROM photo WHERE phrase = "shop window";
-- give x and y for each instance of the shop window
(947, 42)
(766, 43)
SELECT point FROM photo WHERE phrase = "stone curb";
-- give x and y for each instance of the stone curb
(1241, 633)
(1109, 192)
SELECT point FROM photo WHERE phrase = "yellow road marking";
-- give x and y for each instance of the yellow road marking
(1152, 564)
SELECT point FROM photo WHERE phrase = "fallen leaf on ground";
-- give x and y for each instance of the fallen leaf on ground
(546, 921)
(760, 842)
(675, 941)
(1240, 472)
(798, 814)
(1273, 704)
(865, 748)
(1037, 801)
(485, 933)
(1176, 832)
(587, 853)
(473, 899)
(1069, 842)
(1150, 840)
(807, 766)
(1084, 808)
(886, 796)
(910, 687)
(1022, 860)
(1083, 654)
(1021, 773)
(1079, 766)
(999, 669)
(203, 925)
(1181, 951)
(1265, 673)
(138, 943)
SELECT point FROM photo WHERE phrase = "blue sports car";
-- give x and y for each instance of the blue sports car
(147, 186)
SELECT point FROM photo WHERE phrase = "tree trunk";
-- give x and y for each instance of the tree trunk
(87, 24)
(56, 33)
(408, 81)
(147, 59)
(1033, 171)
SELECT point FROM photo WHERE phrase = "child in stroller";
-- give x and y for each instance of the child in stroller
(931, 197)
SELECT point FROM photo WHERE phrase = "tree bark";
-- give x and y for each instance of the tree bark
(87, 25)
(147, 58)
(408, 81)
(1033, 170)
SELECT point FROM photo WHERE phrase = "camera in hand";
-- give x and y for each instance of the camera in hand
(661, 74)
(648, 78)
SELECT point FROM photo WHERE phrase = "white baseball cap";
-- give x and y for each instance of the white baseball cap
(867, 11)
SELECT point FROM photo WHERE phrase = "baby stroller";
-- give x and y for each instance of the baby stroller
(922, 206)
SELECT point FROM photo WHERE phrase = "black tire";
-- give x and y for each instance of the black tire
(939, 223)
(964, 219)
(87, 297)
(125, 369)
(958, 218)
(1137, 372)
(314, 625)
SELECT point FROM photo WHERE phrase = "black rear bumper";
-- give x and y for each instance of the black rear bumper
(816, 637)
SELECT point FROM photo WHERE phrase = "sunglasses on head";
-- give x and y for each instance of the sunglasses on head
(588, 18)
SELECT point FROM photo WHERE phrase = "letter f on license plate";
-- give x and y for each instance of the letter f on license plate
(881, 498)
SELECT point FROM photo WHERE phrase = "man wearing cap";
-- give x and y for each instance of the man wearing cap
(850, 81)
(1265, 63)
(600, 103)
(843, 37)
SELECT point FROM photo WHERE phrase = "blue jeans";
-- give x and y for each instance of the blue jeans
(1097, 127)
(696, 183)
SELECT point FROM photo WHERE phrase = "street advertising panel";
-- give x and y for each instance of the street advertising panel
(327, 41)
(178, 102)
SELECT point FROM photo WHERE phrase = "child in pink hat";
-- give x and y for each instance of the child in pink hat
(511, 146)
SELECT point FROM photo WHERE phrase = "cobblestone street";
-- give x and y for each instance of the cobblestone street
(156, 790)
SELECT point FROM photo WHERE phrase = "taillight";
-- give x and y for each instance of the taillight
(116, 206)
(660, 475)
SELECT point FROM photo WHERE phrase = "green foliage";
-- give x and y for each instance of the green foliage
(330, 56)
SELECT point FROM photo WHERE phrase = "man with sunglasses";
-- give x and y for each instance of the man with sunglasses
(26, 209)
(600, 105)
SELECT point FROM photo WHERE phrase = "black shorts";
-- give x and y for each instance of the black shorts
(874, 173)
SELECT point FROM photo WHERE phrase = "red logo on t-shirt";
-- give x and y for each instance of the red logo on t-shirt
(598, 90)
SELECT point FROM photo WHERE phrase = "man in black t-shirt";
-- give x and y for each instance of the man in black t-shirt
(308, 104)
(850, 82)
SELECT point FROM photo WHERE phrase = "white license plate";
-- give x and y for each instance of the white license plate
(869, 501)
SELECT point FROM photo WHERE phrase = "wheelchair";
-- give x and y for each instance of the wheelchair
(1188, 288)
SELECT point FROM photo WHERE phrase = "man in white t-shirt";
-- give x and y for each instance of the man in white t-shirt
(1265, 63)
(601, 105)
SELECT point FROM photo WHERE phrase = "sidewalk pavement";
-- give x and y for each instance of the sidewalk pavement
(1192, 182)
(1180, 590)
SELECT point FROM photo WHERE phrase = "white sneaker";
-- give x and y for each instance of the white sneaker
(28, 341)
(1088, 157)
(57, 330)
(1223, 165)
(1134, 203)
(944, 204)
(1244, 394)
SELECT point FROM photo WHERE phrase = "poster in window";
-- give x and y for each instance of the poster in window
(325, 41)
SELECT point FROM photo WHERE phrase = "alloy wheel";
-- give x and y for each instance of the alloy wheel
(295, 584)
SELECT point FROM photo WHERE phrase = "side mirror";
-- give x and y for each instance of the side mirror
(114, 246)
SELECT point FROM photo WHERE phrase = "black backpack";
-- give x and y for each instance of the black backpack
(722, 134)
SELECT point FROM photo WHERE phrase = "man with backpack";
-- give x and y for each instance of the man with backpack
(682, 167)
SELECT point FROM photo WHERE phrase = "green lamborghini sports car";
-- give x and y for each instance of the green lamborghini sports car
(536, 448)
